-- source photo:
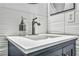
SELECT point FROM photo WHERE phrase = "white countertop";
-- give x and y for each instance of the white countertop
(28, 45)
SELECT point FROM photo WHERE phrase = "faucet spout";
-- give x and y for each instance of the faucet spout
(33, 23)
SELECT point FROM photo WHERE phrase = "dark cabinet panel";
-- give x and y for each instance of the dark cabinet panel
(14, 51)
(55, 53)
(50, 52)
(68, 50)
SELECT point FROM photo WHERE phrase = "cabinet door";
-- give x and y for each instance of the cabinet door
(68, 51)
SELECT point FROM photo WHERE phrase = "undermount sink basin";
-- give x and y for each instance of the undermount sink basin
(36, 37)
(40, 37)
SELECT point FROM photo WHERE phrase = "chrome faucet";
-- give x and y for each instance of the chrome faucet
(33, 28)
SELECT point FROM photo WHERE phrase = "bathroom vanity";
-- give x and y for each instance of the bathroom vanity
(47, 45)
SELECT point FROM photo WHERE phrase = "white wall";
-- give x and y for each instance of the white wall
(72, 25)
(56, 24)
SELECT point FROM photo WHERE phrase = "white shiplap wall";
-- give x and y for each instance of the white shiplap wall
(3, 46)
(56, 24)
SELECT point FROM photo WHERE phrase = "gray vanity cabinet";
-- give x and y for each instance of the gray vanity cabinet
(63, 49)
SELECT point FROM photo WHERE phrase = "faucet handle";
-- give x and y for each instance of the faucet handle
(38, 23)
(35, 18)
